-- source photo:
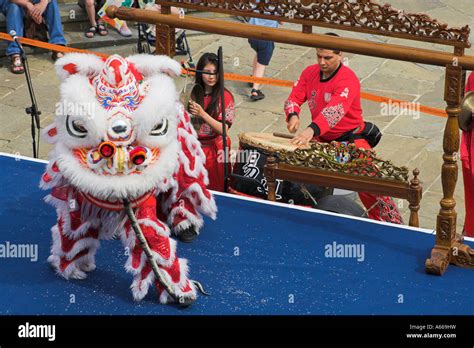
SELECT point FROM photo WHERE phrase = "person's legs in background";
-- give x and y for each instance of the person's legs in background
(52, 19)
(14, 15)
(97, 26)
(264, 52)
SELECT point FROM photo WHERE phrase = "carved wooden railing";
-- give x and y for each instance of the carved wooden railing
(350, 16)
(364, 16)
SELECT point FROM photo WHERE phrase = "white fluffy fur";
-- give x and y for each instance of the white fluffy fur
(151, 111)
(129, 186)
(150, 65)
(86, 64)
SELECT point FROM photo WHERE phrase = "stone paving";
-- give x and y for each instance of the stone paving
(411, 140)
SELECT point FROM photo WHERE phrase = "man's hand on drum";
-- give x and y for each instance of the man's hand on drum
(303, 138)
(293, 124)
(196, 109)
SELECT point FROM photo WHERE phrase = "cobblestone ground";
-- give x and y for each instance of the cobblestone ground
(412, 140)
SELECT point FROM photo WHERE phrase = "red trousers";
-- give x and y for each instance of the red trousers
(467, 154)
(214, 151)
(379, 208)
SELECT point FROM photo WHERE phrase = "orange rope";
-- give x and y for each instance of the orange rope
(48, 46)
(242, 78)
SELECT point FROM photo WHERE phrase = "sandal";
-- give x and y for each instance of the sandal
(256, 94)
(101, 29)
(90, 33)
(16, 66)
(56, 55)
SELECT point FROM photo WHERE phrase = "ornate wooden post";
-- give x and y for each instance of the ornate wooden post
(165, 38)
(270, 175)
(446, 221)
(414, 198)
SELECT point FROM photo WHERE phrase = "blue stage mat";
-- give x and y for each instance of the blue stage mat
(257, 258)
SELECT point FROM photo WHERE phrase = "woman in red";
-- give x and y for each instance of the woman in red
(210, 131)
(467, 159)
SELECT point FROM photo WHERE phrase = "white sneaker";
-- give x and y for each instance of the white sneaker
(125, 31)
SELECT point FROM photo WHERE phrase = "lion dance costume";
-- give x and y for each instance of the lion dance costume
(122, 135)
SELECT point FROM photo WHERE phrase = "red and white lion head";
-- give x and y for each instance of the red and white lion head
(115, 130)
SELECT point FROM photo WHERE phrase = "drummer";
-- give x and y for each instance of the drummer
(210, 132)
(332, 91)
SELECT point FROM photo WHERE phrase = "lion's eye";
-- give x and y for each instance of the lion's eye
(160, 128)
(75, 128)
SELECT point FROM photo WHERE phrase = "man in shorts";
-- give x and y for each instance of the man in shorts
(264, 51)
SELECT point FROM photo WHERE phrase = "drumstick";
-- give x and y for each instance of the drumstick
(283, 135)
(288, 136)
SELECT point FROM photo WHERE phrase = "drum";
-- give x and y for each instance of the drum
(248, 177)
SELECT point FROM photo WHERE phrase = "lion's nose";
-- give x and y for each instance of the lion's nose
(119, 127)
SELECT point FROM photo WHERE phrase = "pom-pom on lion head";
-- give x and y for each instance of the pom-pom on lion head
(115, 130)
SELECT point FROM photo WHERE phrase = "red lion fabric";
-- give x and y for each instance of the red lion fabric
(467, 160)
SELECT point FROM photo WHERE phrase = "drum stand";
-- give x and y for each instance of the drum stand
(224, 131)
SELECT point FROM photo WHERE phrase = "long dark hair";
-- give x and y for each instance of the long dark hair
(210, 58)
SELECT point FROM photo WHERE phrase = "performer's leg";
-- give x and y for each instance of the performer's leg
(164, 252)
(379, 208)
(468, 177)
(74, 243)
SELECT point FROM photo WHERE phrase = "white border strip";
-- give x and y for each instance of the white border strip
(19, 157)
(283, 205)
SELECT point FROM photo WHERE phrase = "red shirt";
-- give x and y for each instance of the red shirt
(206, 132)
(334, 102)
(467, 141)
(470, 83)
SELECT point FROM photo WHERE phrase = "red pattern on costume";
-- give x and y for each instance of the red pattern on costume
(189, 192)
(334, 104)
(157, 236)
(467, 160)
(72, 246)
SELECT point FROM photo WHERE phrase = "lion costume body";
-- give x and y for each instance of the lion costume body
(122, 135)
